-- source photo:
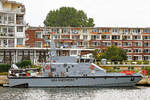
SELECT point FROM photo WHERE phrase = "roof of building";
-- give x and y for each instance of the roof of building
(12, 2)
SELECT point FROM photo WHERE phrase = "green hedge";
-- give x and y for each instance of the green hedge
(24, 63)
(4, 67)
(146, 62)
(3, 73)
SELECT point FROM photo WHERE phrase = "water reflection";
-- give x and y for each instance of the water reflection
(75, 93)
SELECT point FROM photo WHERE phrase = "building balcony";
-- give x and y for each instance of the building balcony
(6, 10)
(2, 22)
(21, 22)
(7, 35)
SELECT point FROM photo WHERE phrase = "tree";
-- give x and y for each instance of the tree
(114, 54)
(68, 17)
(97, 54)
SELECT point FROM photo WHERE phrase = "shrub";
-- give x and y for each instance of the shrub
(4, 67)
(35, 66)
(23, 63)
(148, 69)
(146, 62)
(139, 62)
(4, 73)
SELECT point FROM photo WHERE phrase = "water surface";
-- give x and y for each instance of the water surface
(135, 93)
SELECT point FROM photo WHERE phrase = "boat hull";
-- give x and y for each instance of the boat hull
(100, 81)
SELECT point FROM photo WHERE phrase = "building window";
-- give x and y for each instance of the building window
(11, 43)
(129, 57)
(116, 44)
(20, 29)
(115, 30)
(94, 37)
(75, 37)
(65, 30)
(75, 31)
(105, 30)
(126, 37)
(115, 37)
(96, 43)
(85, 43)
(84, 30)
(106, 43)
(38, 44)
(105, 37)
(146, 57)
(146, 37)
(146, 30)
(128, 50)
(136, 37)
(137, 50)
(38, 34)
(137, 57)
(136, 30)
(147, 44)
(125, 30)
(65, 37)
(19, 41)
(146, 50)
(85, 37)
(137, 44)
(4, 30)
(126, 44)
(95, 30)
(10, 19)
(55, 30)
(10, 29)
(56, 36)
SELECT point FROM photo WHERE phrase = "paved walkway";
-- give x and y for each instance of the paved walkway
(3, 80)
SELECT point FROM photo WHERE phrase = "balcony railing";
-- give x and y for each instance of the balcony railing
(6, 35)
(15, 11)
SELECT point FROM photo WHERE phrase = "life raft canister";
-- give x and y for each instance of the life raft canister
(128, 72)
(47, 67)
(92, 67)
(54, 61)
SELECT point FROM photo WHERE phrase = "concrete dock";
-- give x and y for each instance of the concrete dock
(3, 80)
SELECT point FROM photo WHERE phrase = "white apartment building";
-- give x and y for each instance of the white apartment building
(12, 25)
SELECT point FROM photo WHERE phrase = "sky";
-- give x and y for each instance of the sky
(106, 13)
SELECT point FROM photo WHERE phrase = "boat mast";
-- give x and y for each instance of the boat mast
(51, 43)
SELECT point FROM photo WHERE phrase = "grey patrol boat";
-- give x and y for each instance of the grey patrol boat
(68, 71)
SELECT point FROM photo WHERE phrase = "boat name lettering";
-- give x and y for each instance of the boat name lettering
(63, 79)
